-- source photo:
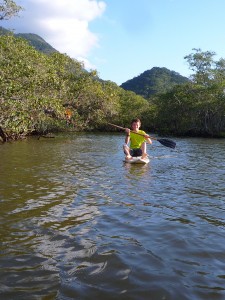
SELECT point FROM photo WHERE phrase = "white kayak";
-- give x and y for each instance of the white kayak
(137, 160)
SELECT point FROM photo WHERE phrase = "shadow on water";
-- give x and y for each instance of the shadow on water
(79, 223)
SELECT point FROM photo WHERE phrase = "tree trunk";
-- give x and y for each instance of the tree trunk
(2, 135)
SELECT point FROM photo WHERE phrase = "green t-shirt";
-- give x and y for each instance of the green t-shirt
(136, 140)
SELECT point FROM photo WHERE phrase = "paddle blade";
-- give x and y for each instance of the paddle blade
(167, 143)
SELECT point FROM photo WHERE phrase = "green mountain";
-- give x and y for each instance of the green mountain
(154, 81)
(34, 40)
(37, 42)
(3, 31)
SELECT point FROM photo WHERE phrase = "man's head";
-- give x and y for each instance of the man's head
(135, 124)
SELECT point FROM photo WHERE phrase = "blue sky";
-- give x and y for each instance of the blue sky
(123, 38)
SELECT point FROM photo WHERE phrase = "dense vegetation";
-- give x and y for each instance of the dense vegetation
(181, 106)
(37, 90)
(154, 81)
(42, 93)
(198, 107)
(37, 42)
(33, 39)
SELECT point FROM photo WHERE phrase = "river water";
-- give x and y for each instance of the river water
(76, 222)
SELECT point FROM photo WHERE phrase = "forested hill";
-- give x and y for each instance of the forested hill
(154, 81)
(42, 93)
(37, 42)
(34, 40)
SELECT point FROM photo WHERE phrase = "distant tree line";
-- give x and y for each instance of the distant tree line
(42, 93)
(196, 108)
(38, 90)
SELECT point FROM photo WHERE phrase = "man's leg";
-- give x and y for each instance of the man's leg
(126, 150)
(144, 150)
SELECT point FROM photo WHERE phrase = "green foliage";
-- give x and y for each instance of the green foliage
(196, 108)
(4, 31)
(37, 42)
(202, 64)
(36, 90)
(175, 110)
(154, 81)
(33, 39)
(29, 84)
(131, 106)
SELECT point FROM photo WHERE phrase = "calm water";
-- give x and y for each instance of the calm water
(78, 223)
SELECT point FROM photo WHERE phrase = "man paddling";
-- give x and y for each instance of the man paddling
(137, 139)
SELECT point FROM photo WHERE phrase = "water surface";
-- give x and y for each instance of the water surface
(76, 222)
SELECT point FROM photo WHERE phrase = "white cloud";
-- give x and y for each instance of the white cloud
(64, 24)
(70, 36)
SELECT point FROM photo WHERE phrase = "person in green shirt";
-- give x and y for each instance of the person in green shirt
(137, 141)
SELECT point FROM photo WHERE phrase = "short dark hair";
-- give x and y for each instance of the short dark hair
(136, 120)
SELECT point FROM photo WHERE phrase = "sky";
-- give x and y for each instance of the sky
(123, 38)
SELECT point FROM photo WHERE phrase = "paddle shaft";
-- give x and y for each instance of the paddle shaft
(165, 142)
(146, 136)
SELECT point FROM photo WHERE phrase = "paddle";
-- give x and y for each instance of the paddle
(164, 142)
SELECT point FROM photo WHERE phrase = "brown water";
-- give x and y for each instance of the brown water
(78, 223)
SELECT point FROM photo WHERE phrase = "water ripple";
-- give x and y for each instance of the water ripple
(78, 223)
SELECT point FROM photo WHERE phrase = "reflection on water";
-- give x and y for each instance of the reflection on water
(79, 223)
(137, 170)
